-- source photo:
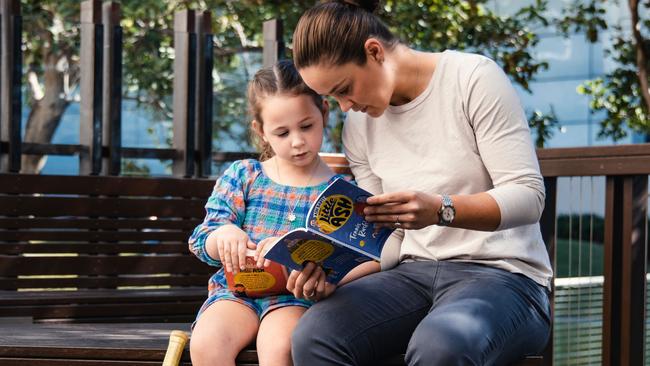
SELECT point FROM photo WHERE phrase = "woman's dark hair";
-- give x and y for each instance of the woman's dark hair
(335, 32)
(282, 78)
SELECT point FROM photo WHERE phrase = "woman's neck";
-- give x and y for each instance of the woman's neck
(413, 72)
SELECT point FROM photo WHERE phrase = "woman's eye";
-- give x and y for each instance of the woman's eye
(343, 91)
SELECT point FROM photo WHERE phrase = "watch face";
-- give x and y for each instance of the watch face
(447, 214)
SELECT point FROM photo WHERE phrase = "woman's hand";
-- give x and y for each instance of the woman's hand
(310, 283)
(407, 210)
(231, 243)
(261, 261)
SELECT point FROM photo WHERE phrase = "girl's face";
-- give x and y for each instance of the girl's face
(293, 126)
(367, 88)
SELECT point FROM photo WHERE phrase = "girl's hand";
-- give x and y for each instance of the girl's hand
(232, 243)
(261, 261)
(310, 283)
(408, 210)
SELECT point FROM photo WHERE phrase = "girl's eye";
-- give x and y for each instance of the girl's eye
(306, 127)
(283, 134)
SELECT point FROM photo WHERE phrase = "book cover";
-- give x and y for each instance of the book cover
(336, 236)
(258, 282)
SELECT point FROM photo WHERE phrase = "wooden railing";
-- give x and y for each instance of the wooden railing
(100, 149)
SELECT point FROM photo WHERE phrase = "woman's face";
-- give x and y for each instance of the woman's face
(367, 88)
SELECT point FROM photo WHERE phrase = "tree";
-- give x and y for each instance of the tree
(622, 93)
(52, 39)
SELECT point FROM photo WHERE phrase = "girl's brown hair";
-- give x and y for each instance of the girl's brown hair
(281, 79)
(335, 32)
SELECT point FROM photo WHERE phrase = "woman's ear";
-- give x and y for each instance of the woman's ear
(326, 111)
(257, 127)
(374, 50)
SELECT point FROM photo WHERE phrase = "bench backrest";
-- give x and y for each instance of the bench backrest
(79, 232)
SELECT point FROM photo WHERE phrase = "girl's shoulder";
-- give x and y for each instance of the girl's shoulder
(245, 170)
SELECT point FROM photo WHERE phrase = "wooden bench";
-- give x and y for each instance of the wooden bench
(108, 252)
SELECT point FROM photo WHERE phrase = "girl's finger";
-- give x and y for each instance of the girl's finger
(242, 254)
(226, 256)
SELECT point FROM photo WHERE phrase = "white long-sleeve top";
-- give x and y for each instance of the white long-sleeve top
(465, 133)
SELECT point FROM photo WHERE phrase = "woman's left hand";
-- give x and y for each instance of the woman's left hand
(310, 283)
(406, 210)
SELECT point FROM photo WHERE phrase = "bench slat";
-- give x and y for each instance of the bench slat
(81, 282)
(115, 311)
(93, 236)
(105, 207)
(14, 298)
(87, 248)
(90, 223)
(111, 186)
(99, 265)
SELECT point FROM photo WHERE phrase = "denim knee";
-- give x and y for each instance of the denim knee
(432, 346)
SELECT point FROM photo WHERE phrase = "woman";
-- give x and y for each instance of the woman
(443, 142)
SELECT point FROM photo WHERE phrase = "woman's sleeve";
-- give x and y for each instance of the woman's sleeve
(505, 145)
(225, 206)
(356, 154)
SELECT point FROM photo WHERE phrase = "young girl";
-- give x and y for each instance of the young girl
(252, 204)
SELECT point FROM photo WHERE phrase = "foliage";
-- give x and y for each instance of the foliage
(543, 125)
(619, 93)
(53, 33)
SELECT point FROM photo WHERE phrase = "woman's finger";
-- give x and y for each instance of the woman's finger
(393, 197)
(291, 281)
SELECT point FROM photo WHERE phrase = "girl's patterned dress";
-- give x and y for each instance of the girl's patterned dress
(245, 196)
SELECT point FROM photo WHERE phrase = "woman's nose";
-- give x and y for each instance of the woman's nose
(345, 104)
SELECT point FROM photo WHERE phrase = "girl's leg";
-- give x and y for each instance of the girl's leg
(221, 332)
(274, 335)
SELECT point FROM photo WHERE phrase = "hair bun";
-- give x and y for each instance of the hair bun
(368, 5)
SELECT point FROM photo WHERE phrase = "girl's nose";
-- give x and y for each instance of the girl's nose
(298, 141)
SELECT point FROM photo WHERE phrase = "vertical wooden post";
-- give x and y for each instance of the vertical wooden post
(273, 42)
(90, 125)
(548, 224)
(204, 63)
(184, 97)
(112, 88)
(625, 270)
(10, 84)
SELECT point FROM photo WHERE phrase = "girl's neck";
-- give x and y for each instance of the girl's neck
(413, 71)
(285, 173)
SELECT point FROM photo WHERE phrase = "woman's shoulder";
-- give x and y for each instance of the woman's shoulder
(461, 65)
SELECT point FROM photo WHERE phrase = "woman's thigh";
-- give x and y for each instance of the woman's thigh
(483, 315)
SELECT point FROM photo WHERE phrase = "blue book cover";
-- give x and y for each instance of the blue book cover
(336, 235)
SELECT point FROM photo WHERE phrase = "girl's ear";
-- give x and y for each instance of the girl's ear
(326, 111)
(257, 127)
(374, 50)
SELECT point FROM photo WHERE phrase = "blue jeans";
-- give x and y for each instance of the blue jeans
(438, 313)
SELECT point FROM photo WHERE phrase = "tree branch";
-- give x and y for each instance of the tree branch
(641, 56)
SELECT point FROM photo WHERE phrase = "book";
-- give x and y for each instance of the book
(257, 282)
(336, 235)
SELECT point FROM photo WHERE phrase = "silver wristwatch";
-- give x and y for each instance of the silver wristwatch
(447, 212)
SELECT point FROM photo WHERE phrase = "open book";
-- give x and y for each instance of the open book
(336, 236)
(254, 282)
